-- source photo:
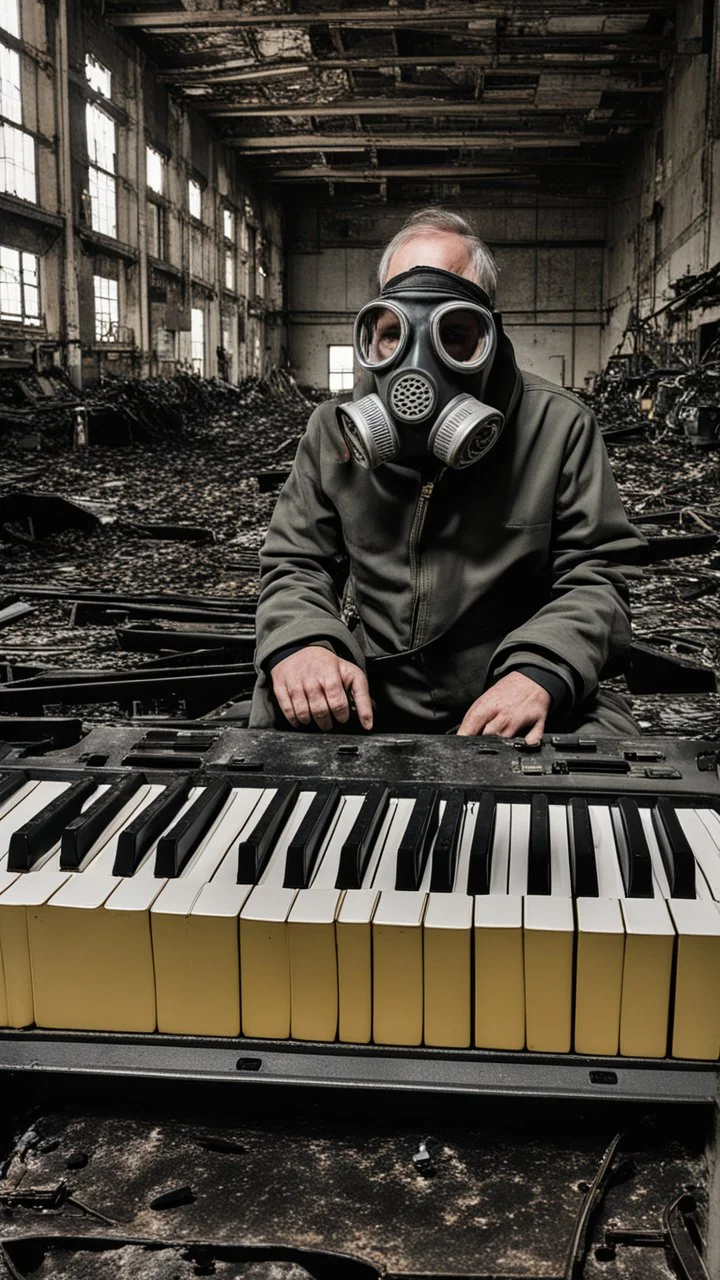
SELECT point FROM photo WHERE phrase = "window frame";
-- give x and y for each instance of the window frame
(25, 317)
(345, 373)
(114, 320)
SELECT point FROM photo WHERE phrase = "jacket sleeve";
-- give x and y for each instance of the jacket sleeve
(299, 591)
(585, 625)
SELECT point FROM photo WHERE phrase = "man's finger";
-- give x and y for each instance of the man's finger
(474, 721)
(337, 700)
(319, 710)
(300, 706)
(535, 734)
(356, 682)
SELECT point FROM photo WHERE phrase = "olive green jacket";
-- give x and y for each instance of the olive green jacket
(516, 559)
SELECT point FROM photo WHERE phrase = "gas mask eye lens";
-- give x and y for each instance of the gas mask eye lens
(380, 332)
(464, 337)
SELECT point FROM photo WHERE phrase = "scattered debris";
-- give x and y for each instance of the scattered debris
(173, 1199)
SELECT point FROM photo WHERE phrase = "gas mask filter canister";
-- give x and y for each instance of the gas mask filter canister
(429, 340)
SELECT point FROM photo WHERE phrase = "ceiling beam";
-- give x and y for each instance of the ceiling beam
(450, 172)
(406, 107)
(164, 19)
(241, 73)
(283, 143)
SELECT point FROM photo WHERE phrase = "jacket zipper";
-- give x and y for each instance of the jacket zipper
(416, 530)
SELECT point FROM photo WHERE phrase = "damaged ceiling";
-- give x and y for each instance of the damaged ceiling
(422, 97)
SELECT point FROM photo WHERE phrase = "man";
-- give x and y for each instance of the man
(466, 511)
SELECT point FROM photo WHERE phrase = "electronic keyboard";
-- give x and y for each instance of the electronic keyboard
(365, 900)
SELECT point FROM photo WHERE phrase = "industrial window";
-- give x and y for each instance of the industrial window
(10, 17)
(229, 269)
(155, 170)
(228, 224)
(197, 339)
(156, 230)
(340, 368)
(98, 77)
(17, 162)
(107, 313)
(10, 95)
(195, 199)
(19, 290)
(101, 170)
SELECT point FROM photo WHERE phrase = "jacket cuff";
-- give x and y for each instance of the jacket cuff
(550, 681)
(288, 650)
(524, 659)
(294, 634)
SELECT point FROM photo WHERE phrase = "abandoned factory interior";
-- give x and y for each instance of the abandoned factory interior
(360, 639)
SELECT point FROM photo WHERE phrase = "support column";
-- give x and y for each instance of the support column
(69, 300)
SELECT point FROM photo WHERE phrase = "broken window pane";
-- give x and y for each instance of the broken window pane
(17, 162)
(107, 314)
(10, 95)
(228, 224)
(197, 339)
(103, 210)
(155, 170)
(229, 270)
(97, 76)
(100, 137)
(194, 199)
(10, 16)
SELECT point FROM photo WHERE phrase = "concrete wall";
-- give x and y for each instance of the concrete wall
(244, 331)
(664, 221)
(550, 256)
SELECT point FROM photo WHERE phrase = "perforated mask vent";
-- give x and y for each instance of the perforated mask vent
(412, 397)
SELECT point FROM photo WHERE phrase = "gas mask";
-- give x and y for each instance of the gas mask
(429, 340)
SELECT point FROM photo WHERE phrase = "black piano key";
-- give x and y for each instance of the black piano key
(634, 854)
(417, 839)
(676, 852)
(10, 783)
(136, 838)
(481, 849)
(539, 873)
(178, 845)
(355, 853)
(80, 835)
(582, 850)
(255, 850)
(40, 833)
(445, 849)
(305, 844)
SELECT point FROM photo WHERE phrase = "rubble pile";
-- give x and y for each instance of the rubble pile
(184, 512)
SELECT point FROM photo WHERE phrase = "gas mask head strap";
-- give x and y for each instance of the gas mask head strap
(436, 280)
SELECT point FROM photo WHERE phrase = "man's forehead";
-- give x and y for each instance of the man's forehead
(429, 248)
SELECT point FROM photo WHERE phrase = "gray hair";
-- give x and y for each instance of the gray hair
(435, 220)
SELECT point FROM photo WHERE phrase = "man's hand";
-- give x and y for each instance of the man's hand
(516, 704)
(313, 684)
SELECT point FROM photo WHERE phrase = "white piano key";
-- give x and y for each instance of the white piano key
(500, 862)
(706, 850)
(399, 814)
(519, 848)
(696, 1014)
(599, 961)
(465, 837)
(609, 875)
(31, 801)
(560, 876)
(447, 945)
(86, 969)
(311, 936)
(10, 802)
(353, 932)
(549, 932)
(264, 954)
(194, 923)
(27, 889)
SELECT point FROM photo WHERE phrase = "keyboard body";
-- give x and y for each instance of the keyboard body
(412, 985)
